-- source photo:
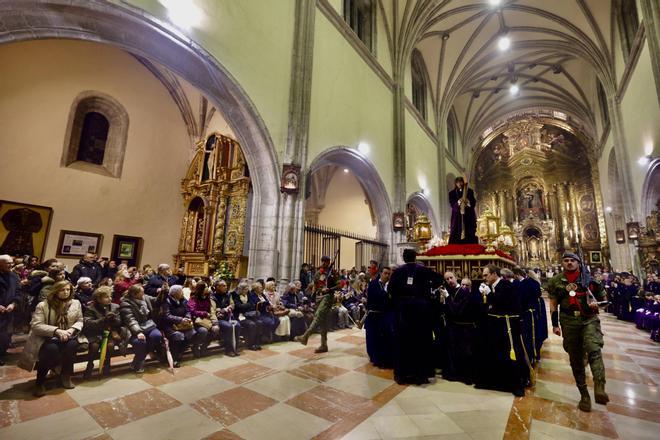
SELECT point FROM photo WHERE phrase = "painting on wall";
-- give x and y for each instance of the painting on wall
(126, 249)
(24, 228)
(75, 244)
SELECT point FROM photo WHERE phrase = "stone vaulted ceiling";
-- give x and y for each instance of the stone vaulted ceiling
(558, 50)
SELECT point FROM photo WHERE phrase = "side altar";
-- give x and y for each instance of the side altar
(215, 194)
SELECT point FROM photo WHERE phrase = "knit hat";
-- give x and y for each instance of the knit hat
(571, 255)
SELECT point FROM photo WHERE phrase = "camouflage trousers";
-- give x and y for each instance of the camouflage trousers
(321, 321)
(583, 337)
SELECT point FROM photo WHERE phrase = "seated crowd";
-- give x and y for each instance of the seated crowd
(105, 309)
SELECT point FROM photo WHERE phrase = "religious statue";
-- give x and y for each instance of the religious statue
(463, 217)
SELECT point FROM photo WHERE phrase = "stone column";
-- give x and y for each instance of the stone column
(575, 220)
(651, 18)
(502, 203)
(291, 235)
(564, 215)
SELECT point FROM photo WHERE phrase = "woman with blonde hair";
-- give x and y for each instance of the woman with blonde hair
(283, 329)
(54, 336)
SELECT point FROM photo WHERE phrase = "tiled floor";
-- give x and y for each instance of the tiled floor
(287, 392)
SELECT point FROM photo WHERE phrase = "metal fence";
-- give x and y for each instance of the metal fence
(322, 240)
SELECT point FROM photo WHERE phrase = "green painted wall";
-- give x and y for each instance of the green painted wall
(350, 104)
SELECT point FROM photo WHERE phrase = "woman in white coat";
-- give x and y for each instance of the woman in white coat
(54, 336)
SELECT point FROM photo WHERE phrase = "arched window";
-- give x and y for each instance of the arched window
(360, 15)
(93, 138)
(96, 135)
(418, 70)
(602, 101)
(451, 136)
(628, 25)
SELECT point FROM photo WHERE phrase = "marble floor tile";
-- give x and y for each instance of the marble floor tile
(197, 387)
(91, 391)
(347, 361)
(545, 431)
(435, 424)
(480, 420)
(281, 386)
(364, 431)
(280, 422)
(123, 410)
(244, 373)
(318, 371)
(359, 384)
(214, 363)
(396, 426)
(283, 361)
(352, 339)
(29, 408)
(385, 373)
(174, 424)
(72, 424)
(251, 355)
(233, 405)
(159, 376)
(329, 403)
(224, 434)
(633, 428)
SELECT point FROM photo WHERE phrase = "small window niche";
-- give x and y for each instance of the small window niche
(96, 135)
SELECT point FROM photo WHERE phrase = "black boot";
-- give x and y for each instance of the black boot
(600, 396)
(585, 399)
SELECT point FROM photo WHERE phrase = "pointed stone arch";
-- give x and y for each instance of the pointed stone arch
(137, 32)
(421, 202)
(372, 184)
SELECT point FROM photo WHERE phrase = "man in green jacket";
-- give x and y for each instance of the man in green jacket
(577, 297)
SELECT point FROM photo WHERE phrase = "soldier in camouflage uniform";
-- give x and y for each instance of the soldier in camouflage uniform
(325, 283)
(580, 326)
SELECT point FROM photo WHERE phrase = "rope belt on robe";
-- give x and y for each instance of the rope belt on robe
(531, 312)
(512, 352)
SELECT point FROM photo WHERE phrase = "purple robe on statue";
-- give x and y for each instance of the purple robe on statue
(469, 218)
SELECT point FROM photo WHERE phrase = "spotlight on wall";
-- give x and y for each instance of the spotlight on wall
(185, 15)
(644, 160)
(494, 2)
(648, 148)
(608, 209)
(346, 170)
(514, 90)
(363, 148)
(504, 43)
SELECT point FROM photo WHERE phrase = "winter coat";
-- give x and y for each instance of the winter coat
(173, 312)
(93, 270)
(156, 282)
(43, 327)
(137, 315)
(202, 308)
(98, 318)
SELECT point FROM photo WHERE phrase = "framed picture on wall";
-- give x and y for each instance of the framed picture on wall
(74, 244)
(595, 257)
(24, 228)
(126, 248)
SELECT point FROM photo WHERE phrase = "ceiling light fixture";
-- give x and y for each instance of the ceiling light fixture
(346, 170)
(644, 160)
(494, 2)
(185, 15)
(363, 148)
(514, 90)
(504, 43)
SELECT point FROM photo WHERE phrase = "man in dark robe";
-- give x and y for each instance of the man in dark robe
(462, 313)
(529, 292)
(9, 297)
(379, 321)
(462, 214)
(410, 289)
(503, 366)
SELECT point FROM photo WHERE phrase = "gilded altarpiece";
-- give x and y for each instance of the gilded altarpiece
(215, 197)
(535, 173)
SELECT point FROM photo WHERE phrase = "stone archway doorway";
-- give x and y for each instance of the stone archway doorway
(136, 32)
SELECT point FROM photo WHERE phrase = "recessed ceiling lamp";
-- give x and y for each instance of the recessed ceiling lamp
(514, 90)
(504, 43)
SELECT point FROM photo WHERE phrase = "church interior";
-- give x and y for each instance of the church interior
(242, 139)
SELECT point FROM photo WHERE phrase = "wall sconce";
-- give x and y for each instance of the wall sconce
(633, 230)
(620, 236)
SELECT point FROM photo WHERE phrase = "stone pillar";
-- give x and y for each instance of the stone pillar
(502, 204)
(651, 18)
(546, 207)
(564, 215)
(291, 235)
(575, 220)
